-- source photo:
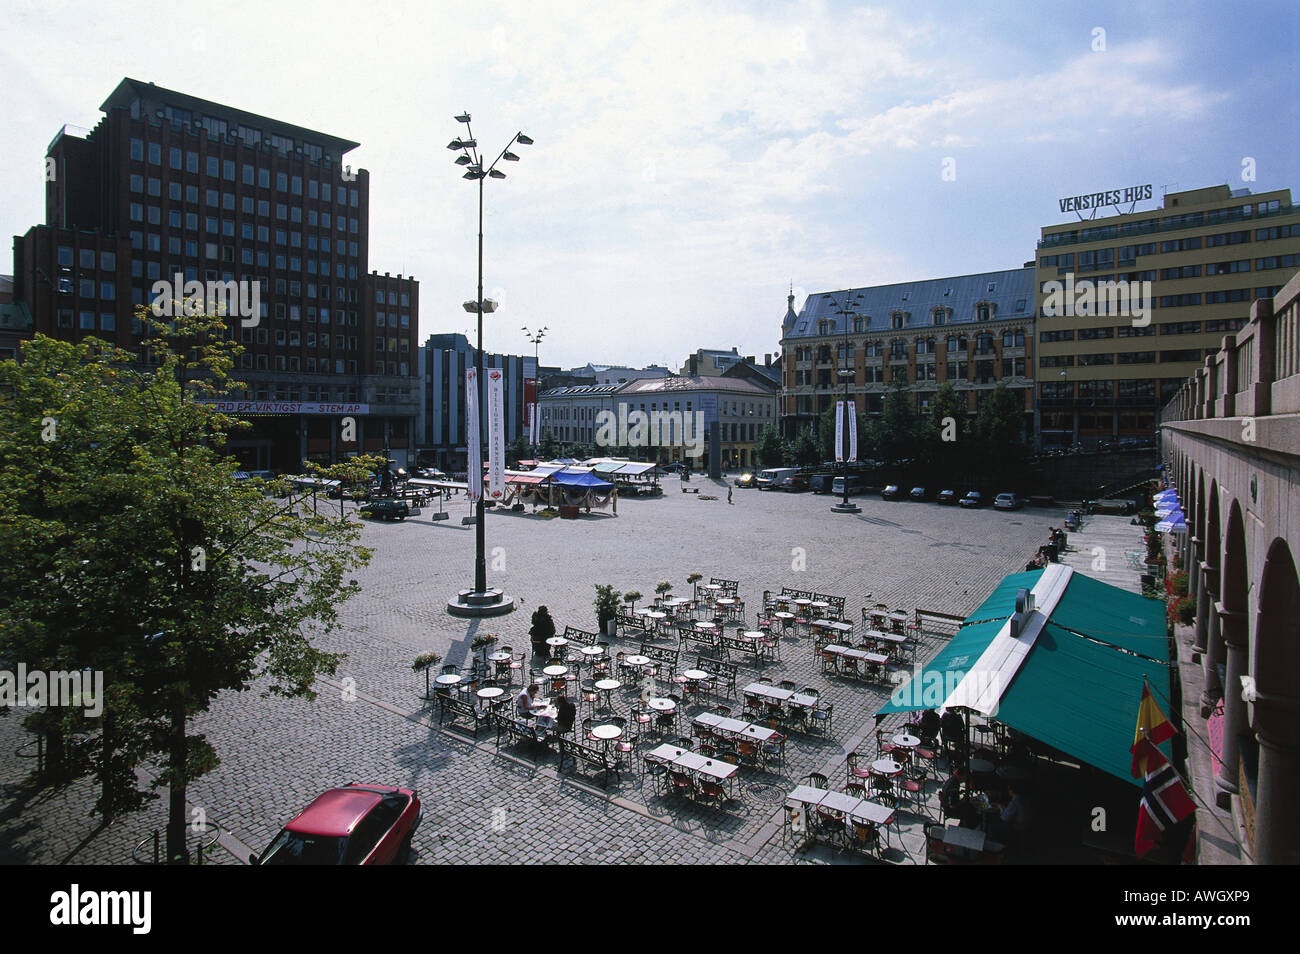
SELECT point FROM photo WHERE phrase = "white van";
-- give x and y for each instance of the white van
(771, 478)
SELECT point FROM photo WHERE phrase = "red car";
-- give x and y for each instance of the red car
(352, 825)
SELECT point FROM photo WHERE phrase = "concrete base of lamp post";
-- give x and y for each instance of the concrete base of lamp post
(491, 602)
(843, 507)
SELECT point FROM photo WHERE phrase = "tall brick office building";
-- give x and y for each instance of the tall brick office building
(170, 184)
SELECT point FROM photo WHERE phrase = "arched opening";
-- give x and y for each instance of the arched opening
(1269, 797)
(1228, 724)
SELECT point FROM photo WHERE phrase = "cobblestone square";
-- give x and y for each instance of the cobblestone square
(370, 724)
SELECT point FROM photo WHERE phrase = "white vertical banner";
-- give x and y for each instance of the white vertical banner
(853, 431)
(496, 434)
(532, 423)
(473, 455)
(839, 430)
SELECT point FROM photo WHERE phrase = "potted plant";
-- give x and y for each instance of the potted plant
(425, 661)
(630, 598)
(662, 588)
(541, 629)
(1182, 610)
(480, 645)
(692, 579)
(606, 607)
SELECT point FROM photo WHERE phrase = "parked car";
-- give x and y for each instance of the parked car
(972, 499)
(748, 479)
(389, 510)
(771, 478)
(920, 493)
(795, 483)
(856, 484)
(820, 483)
(947, 497)
(891, 492)
(351, 825)
(1007, 502)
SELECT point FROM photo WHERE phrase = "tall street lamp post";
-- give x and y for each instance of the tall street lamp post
(846, 374)
(536, 338)
(481, 600)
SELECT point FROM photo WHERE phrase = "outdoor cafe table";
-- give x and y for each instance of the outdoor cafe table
(448, 679)
(607, 733)
(491, 694)
(849, 652)
(834, 626)
(636, 661)
(784, 617)
(768, 691)
(886, 767)
(880, 636)
(903, 740)
(694, 762)
(607, 686)
(500, 657)
(857, 808)
(971, 838)
(557, 641)
(705, 625)
(660, 704)
(556, 671)
(738, 727)
(593, 650)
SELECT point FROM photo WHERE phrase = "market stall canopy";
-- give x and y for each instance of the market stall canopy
(637, 469)
(579, 478)
(523, 477)
(1072, 678)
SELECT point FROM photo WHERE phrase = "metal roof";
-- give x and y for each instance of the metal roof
(1011, 292)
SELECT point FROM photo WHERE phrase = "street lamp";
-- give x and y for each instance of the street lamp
(536, 338)
(844, 311)
(481, 600)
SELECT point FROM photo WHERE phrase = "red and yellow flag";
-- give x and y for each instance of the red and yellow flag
(1151, 726)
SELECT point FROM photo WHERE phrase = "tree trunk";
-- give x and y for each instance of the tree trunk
(177, 853)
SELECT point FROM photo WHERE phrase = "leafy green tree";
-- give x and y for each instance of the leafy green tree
(806, 451)
(549, 448)
(130, 550)
(519, 449)
(947, 419)
(1000, 434)
(896, 432)
(771, 449)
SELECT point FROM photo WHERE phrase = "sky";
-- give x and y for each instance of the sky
(694, 161)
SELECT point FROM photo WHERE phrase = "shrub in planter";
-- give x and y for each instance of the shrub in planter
(606, 606)
(630, 598)
(1178, 583)
(425, 662)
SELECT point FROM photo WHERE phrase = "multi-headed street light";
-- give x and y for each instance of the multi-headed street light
(481, 600)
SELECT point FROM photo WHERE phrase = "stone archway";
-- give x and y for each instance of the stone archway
(1231, 614)
(1273, 714)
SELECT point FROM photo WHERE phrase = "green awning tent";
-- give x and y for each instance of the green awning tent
(1079, 687)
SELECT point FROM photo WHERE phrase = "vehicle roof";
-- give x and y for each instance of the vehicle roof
(336, 812)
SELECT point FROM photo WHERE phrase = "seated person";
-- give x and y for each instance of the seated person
(955, 803)
(1014, 818)
(953, 726)
(567, 714)
(526, 702)
(929, 724)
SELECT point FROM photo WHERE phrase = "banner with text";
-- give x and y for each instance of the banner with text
(839, 430)
(473, 454)
(496, 434)
(853, 431)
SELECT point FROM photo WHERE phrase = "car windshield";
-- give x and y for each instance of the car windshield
(295, 848)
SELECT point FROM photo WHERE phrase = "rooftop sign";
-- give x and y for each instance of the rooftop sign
(1097, 200)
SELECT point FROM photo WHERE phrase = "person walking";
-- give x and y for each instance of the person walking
(729, 495)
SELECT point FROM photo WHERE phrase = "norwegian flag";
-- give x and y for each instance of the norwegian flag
(1165, 801)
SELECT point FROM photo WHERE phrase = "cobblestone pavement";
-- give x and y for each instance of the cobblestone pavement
(370, 724)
